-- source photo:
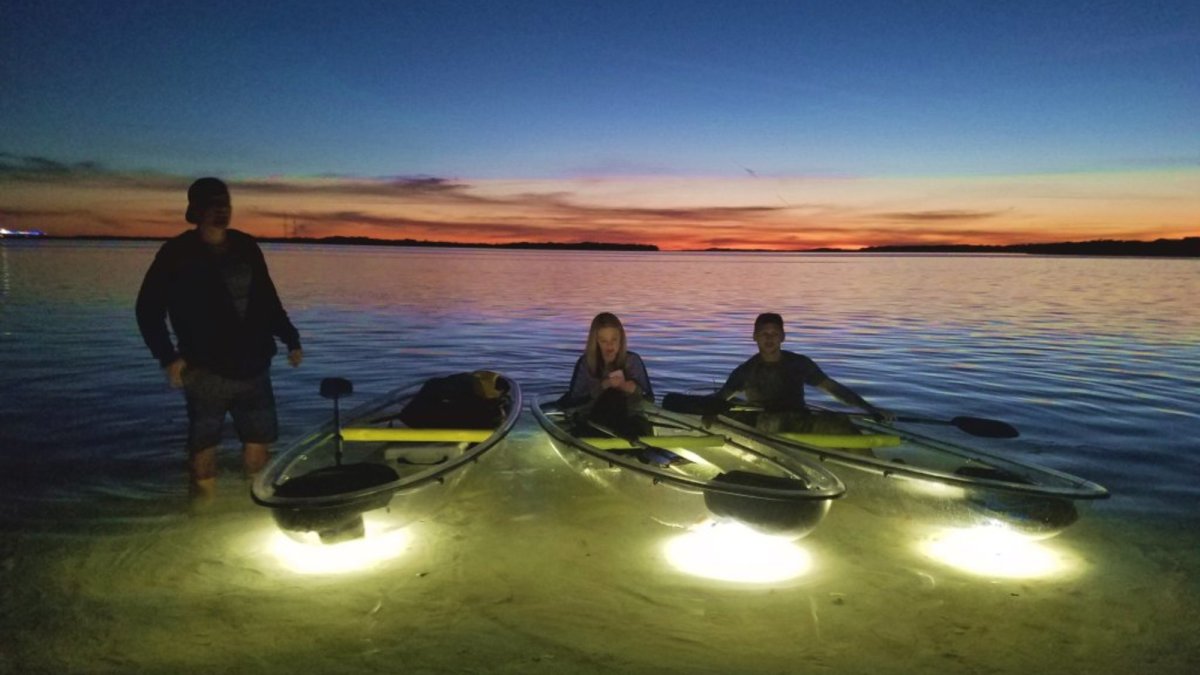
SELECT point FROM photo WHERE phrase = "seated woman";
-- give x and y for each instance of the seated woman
(610, 382)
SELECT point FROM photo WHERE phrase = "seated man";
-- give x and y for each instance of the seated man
(775, 378)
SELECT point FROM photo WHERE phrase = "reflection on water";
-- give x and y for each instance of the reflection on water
(4, 275)
(1094, 360)
(534, 568)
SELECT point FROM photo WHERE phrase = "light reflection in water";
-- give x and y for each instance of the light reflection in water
(729, 551)
(378, 545)
(4, 281)
(998, 551)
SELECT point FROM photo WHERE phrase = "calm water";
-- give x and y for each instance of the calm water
(1095, 361)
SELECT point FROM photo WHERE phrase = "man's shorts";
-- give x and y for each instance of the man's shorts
(251, 403)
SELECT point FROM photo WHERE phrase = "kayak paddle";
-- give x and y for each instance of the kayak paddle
(693, 404)
(976, 426)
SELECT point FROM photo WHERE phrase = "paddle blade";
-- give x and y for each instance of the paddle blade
(985, 428)
(692, 404)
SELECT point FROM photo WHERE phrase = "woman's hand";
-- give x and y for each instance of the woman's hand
(614, 380)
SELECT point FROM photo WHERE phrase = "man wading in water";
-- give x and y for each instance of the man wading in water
(212, 284)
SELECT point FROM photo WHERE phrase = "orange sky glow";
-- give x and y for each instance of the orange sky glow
(752, 212)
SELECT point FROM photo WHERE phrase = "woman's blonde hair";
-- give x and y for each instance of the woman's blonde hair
(595, 362)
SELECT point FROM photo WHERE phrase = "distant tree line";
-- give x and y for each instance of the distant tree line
(368, 241)
(1186, 247)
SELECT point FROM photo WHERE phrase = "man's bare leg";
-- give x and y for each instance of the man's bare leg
(255, 456)
(202, 472)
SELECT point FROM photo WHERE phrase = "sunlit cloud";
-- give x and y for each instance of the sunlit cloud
(672, 212)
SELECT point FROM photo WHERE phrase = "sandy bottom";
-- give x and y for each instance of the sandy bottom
(533, 568)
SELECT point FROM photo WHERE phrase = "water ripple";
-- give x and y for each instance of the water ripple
(1095, 360)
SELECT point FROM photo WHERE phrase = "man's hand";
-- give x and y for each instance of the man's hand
(295, 357)
(174, 373)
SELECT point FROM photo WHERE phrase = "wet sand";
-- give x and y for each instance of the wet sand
(535, 569)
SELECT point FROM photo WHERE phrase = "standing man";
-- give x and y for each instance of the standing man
(213, 285)
(775, 378)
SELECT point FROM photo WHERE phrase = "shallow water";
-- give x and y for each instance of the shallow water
(107, 567)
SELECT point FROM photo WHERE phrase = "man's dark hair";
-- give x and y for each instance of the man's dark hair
(768, 318)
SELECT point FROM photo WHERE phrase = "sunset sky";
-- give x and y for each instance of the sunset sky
(681, 124)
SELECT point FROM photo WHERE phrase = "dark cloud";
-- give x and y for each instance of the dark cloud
(541, 228)
(937, 216)
(34, 169)
(333, 223)
(559, 205)
(29, 167)
(433, 208)
(87, 219)
(555, 207)
(7, 212)
(391, 187)
(709, 214)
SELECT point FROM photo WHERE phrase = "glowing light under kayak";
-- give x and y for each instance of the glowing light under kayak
(313, 557)
(930, 488)
(730, 551)
(997, 551)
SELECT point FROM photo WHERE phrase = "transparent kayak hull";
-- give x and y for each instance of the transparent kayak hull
(966, 486)
(400, 472)
(684, 475)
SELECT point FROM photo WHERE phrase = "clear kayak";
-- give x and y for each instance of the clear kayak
(403, 452)
(685, 474)
(1032, 499)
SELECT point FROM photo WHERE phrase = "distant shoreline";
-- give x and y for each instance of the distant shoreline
(1187, 247)
(368, 241)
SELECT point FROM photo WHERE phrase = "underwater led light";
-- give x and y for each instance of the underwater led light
(931, 488)
(997, 551)
(731, 551)
(314, 557)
